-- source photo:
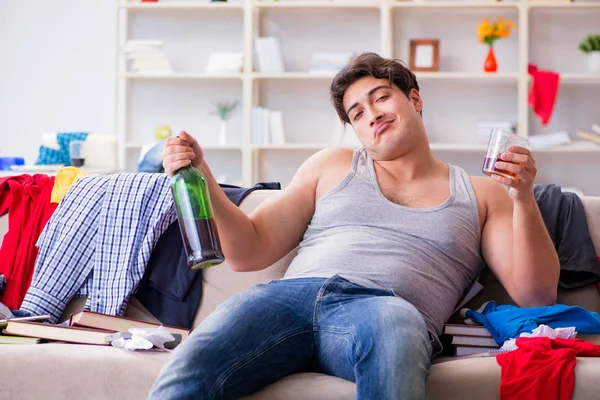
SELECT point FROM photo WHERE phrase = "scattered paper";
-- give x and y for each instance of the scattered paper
(541, 331)
(145, 339)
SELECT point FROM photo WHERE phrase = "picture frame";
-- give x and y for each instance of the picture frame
(424, 55)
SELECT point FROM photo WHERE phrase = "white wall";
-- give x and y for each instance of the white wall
(56, 70)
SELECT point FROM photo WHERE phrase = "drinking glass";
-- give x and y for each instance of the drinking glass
(499, 143)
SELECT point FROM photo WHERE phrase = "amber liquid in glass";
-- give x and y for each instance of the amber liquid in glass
(489, 167)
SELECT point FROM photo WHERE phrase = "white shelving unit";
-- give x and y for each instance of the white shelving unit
(455, 98)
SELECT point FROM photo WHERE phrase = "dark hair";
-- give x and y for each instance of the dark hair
(370, 64)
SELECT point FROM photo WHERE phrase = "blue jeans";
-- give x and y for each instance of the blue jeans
(363, 335)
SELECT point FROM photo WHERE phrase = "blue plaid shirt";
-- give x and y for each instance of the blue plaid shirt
(98, 242)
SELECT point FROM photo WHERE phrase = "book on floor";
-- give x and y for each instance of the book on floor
(90, 319)
(59, 333)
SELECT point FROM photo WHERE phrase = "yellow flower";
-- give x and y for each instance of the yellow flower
(489, 32)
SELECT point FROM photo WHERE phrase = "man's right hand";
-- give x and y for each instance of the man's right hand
(180, 152)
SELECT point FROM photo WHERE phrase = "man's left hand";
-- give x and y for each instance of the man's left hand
(519, 161)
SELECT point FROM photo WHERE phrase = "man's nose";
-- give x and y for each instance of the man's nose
(378, 117)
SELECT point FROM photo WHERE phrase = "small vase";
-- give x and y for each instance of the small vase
(223, 134)
(490, 64)
(594, 61)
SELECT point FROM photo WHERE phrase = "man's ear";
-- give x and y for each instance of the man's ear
(415, 99)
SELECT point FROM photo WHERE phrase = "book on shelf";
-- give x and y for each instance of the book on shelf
(591, 136)
(59, 333)
(277, 131)
(268, 55)
(90, 319)
(147, 56)
(267, 126)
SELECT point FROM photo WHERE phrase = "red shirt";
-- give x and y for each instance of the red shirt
(27, 200)
(542, 368)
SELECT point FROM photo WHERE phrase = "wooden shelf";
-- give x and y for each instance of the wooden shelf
(456, 4)
(468, 76)
(292, 75)
(457, 146)
(465, 76)
(580, 78)
(177, 76)
(138, 146)
(295, 4)
(387, 37)
(580, 146)
(180, 6)
(291, 146)
(574, 6)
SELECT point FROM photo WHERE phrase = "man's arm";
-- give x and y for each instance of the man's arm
(515, 242)
(253, 242)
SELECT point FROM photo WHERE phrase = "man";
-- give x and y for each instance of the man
(390, 239)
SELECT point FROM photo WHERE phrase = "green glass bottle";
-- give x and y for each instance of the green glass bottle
(196, 221)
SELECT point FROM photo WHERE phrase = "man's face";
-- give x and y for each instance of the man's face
(382, 116)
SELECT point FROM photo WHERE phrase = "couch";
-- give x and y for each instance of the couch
(59, 371)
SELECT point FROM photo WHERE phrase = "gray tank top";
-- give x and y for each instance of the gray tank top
(427, 256)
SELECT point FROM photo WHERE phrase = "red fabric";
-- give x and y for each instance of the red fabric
(542, 94)
(542, 368)
(27, 200)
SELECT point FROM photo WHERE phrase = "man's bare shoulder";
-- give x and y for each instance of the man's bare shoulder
(328, 159)
(327, 168)
(488, 188)
(490, 195)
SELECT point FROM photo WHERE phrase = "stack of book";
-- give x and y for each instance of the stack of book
(463, 340)
(147, 56)
(268, 56)
(85, 327)
(593, 136)
(267, 126)
(484, 129)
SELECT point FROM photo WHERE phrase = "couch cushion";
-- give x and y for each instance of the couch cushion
(591, 206)
(479, 378)
(69, 371)
(307, 386)
(59, 371)
(221, 282)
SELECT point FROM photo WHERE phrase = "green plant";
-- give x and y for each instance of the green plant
(225, 109)
(590, 43)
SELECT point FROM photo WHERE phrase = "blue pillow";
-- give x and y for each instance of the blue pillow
(64, 139)
(49, 156)
(52, 156)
